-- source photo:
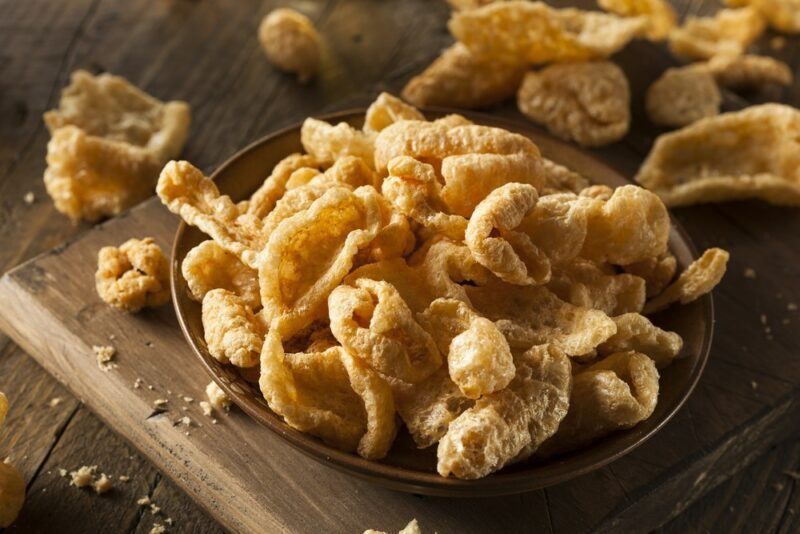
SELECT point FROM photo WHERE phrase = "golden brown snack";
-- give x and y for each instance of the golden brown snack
(3, 407)
(386, 110)
(616, 392)
(588, 103)
(659, 14)
(749, 72)
(657, 272)
(698, 279)
(461, 79)
(133, 276)
(532, 32)
(636, 333)
(751, 153)
(478, 356)
(264, 199)
(373, 323)
(469, 4)
(728, 32)
(782, 15)
(327, 143)
(12, 485)
(510, 255)
(588, 285)
(559, 179)
(510, 424)
(291, 42)
(109, 140)
(233, 333)
(558, 225)
(682, 96)
(209, 266)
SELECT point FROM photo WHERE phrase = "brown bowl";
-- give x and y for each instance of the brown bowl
(407, 468)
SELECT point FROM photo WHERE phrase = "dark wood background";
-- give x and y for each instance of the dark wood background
(206, 52)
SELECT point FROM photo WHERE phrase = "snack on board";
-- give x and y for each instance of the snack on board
(752, 153)
(133, 276)
(291, 42)
(585, 102)
(12, 485)
(728, 32)
(749, 72)
(442, 272)
(683, 95)
(659, 14)
(531, 32)
(781, 15)
(108, 142)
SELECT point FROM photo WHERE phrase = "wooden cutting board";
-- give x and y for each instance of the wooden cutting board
(251, 481)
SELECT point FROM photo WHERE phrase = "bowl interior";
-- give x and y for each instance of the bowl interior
(408, 468)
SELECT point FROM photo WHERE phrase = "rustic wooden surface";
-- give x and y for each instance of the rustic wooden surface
(205, 52)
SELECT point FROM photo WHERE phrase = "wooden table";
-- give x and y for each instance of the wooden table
(205, 52)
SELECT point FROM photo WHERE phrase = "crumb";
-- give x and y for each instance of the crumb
(206, 407)
(154, 508)
(7, 460)
(767, 330)
(124, 478)
(791, 306)
(168, 521)
(184, 408)
(214, 421)
(186, 433)
(62, 472)
(148, 343)
(218, 398)
(112, 337)
(29, 198)
(160, 402)
(749, 272)
(83, 477)
(105, 355)
(763, 319)
(55, 401)
(169, 392)
(754, 384)
(188, 399)
(777, 42)
(778, 486)
(144, 501)
(102, 484)
(151, 388)
(185, 421)
(158, 528)
(137, 383)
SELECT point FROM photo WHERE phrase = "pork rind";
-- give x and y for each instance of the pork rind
(617, 392)
(209, 266)
(682, 96)
(233, 333)
(559, 179)
(586, 284)
(698, 279)
(511, 256)
(636, 333)
(458, 78)
(558, 225)
(12, 494)
(751, 153)
(509, 425)
(533, 315)
(373, 322)
(3, 407)
(133, 276)
(327, 143)
(386, 110)
(749, 72)
(447, 268)
(329, 394)
(588, 103)
(782, 15)
(109, 140)
(657, 272)
(728, 32)
(310, 253)
(263, 201)
(291, 42)
(478, 356)
(532, 32)
(659, 14)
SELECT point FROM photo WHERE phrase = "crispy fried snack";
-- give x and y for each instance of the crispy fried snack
(209, 266)
(331, 395)
(478, 356)
(386, 110)
(749, 72)
(636, 333)
(3, 407)
(659, 14)
(133, 276)
(413, 289)
(510, 424)
(532, 32)
(559, 179)
(588, 103)
(782, 15)
(728, 32)
(698, 279)
(233, 333)
(511, 255)
(373, 322)
(588, 285)
(327, 143)
(458, 78)
(310, 253)
(446, 266)
(616, 392)
(291, 42)
(682, 96)
(109, 140)
(468, 4)
(264, 199)
(558, 225)
(657, 272)
(533, 315)
(12, 494)
(745, 154)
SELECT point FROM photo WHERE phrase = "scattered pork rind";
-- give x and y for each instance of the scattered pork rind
(584, 102)
(615, 393)
(728, 32)
(12, 494)
(461, 79)
(330, 395)
(478, 356)
(373, 322)
(133, 276)
(659, 14)
(698, 279)
(682, 95)
(386, 110)
(291, 42)
(782, 15)
(233, 333)
(209, 266)
(327, 143)
(533, 315)
(751, 153)
(559, 179)
(635, 332)
(511, 255)
(532, 32)
(586, 284)
(264, 199)
(109, 140)
(310, 253)
(509, 424)
(657, 272)
(749, 72)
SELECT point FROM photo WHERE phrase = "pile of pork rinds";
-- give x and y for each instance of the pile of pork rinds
(442, 275)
